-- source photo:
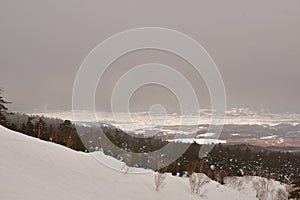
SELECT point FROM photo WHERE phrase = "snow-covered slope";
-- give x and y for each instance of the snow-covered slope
(33, 169)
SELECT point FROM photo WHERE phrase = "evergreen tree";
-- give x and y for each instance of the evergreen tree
(66, 126)
(13, 127)
(29, 127)
(23, 128)
(40, 127)
(67, 131)
(51, 133)
(3, 110)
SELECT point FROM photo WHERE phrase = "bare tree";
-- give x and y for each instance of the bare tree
(261, 188)
(159, 181)
(197, 181)
(125, 169)
(195, 166)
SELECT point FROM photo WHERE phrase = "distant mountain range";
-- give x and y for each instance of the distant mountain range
(242, 125)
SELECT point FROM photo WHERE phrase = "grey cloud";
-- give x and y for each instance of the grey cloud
(254, 43)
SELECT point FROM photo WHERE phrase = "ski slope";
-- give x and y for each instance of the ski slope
(33, 169)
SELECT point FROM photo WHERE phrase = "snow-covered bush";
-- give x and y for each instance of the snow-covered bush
(263, 188)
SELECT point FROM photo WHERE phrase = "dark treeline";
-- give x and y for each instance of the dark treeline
(223, 160)
(238, 160)
(49, 129)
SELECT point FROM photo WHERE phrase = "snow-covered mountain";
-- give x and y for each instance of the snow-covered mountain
(33, 169)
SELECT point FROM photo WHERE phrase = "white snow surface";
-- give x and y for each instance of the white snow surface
(269, 137)
(33, 169)
(198, 141)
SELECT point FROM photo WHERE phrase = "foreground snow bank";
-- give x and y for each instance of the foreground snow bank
(34, 169)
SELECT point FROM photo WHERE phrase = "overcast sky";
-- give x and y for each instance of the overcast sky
(255, 43)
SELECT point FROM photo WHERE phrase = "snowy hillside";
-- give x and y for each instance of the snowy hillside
(33, 169)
